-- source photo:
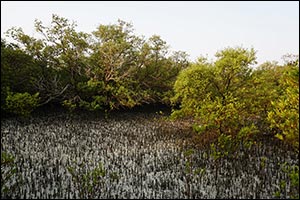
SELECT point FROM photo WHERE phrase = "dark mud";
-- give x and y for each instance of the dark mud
(149, 161)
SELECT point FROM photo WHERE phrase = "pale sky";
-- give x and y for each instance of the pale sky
(198, 28)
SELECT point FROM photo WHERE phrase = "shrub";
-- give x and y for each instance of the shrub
(21, 103)
(285, 110)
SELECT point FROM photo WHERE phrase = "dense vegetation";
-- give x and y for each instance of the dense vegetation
(231, 101)
(113, 68)
(108, 69)
(228, 103)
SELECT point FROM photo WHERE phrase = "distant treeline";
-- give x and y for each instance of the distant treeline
(112, 68)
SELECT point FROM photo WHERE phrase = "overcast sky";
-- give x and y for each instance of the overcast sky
(198, 28)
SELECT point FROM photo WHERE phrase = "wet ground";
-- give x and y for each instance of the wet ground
(146, 161)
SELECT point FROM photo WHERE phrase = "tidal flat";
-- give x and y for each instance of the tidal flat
(145, 161)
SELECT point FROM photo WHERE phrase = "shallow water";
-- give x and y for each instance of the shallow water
(148, 162)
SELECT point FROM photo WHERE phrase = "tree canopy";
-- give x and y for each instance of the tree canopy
(232, 99)
(113, 68)
(107, 69)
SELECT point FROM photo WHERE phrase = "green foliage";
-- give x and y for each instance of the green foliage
(21, 103)
(110, 68)
(89, 183)
(247, 135)
(231, 99)
(199, 128)
(293, 178)
(260, 90)
(8, 171)
(226, 145)
(191, 88)
(133, 71)
(263, 161)
(69, 104)
(18, 72)
(200, 171)
(285, 110)
(209, 92)
(113, 68)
